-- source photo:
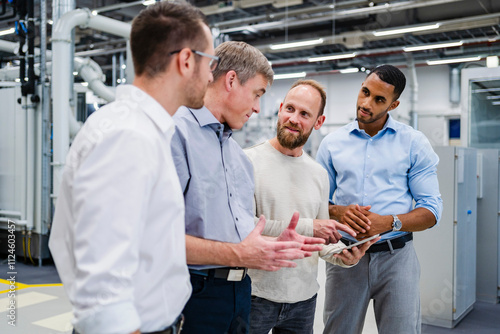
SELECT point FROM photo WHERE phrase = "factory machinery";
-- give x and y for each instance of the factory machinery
(39, 118)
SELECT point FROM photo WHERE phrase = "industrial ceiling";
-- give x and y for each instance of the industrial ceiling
(332, 35)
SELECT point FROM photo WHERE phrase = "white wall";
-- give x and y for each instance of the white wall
(342, 90)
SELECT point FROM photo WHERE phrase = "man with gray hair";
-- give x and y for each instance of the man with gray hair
(217, 180)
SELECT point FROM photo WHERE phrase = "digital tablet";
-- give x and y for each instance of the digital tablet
(339, 250)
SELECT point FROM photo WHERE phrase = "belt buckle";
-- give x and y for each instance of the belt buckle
(236, 274)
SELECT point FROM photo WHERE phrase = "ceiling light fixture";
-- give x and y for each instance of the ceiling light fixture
(296, 44)
(492, 61)
(453, 60)
(148, 2)
(332, 57)
(289, 75)
(432, 46)
(406, 30)
(7, 32)
(349, 70)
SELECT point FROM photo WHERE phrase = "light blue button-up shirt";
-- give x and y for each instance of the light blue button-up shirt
(387, 171)
(216, 178)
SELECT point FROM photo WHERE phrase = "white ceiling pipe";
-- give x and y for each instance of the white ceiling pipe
(88, 69)
(92, 74)
(61, 47)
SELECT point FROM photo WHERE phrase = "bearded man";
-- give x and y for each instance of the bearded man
(286, 180)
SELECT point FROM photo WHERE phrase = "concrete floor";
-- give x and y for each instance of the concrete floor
(43, 308)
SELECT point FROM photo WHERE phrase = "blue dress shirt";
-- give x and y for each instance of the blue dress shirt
(387, 171)
(216, 178)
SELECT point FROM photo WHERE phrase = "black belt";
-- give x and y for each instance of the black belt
(233, 274)
(384, 245)
(175, 328)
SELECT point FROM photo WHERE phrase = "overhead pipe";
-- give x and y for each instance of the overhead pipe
(88, 69)
(378, 52)
(337, 14)
(61, 46)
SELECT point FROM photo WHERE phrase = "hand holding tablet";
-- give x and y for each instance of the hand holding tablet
(340, 249)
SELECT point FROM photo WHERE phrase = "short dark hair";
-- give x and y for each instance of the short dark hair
(162, 28)
(316, 85)
(393, 76)
(246, 60)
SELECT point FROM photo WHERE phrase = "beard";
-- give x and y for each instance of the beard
(290, 140)
(195, 93)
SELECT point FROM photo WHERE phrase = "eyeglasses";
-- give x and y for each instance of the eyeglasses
(214, 60)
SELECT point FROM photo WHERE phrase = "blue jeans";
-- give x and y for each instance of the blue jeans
(282, 318)
(217, 306)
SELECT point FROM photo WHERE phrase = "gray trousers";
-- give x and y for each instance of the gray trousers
(391, 280)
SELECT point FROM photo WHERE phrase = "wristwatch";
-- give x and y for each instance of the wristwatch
(396, 223)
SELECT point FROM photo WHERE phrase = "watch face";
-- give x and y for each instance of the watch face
(396, 224)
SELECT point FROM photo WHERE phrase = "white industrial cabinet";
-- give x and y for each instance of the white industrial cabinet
(447, 252)
(488, 226)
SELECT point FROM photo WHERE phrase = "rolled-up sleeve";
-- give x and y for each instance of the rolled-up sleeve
(422, 177)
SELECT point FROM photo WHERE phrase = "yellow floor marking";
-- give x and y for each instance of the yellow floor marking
(19, 286)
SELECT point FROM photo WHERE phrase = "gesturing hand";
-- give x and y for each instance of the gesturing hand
(309, 244)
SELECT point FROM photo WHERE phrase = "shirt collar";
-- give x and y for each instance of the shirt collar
(204, 117)
(131, 94)
(389, 124)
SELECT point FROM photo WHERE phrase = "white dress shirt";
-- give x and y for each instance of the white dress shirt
(118, 232)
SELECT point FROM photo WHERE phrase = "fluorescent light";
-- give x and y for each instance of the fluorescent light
(296, 44)
(333, 57)
(148, 2)
(493, 97)
(7, 32)
(349, 70)
(452, 60)
(289, 75)
(405, 30)
(85, 84)
(496, 103)
(491, 61)
(432, 46)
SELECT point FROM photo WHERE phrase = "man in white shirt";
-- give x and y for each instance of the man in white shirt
(118, 232)
(286, 180)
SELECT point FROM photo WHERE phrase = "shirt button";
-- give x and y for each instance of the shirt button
(368, 157)
(236, 218)
(230, 195)
(367, 176)
(371, 139)
(366, 195)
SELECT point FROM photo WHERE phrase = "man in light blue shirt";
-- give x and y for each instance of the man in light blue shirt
(377, 167)
(217, 181)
